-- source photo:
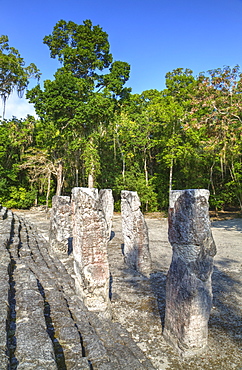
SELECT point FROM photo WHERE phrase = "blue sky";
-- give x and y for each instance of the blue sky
(153, 36)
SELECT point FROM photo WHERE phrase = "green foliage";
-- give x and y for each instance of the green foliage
(81, 48)
(187, 136)
(19, 197)
(84, 51)
(179, 82)
(216, 202)
(134, 181)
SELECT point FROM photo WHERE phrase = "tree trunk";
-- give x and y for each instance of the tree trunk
(59, 178)
(90, 180)
(36, 200)
(48, 190)
(122, 156)
(77, 177)
(172, 160)
(146, 180)
(237, 184)
(213, 187)
(171, 174)
(123, 170)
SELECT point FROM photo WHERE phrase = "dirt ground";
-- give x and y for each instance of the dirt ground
(138, 303)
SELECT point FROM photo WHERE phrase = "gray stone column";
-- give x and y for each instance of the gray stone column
(188, 286)
(90, 250)
(135, 233)
(106, 204)
(60, 225)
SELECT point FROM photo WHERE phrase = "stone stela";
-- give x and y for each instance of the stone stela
(91, 226)
(188, 285)
(60, 225)
(135, 233)
(106, 204)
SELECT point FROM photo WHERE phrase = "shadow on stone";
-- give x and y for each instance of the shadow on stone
(158, 285)
(152, 289)
(59, 354)
(112, 235)
(11, 322)
(70, 245)
(110, 286)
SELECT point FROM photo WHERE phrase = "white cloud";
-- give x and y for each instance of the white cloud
(17, 107)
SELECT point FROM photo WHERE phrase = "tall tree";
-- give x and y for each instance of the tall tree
(84, 93)
(13, 73)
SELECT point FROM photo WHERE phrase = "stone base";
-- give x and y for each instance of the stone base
(183, 350)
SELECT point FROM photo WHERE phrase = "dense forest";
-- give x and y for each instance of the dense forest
(92, 131)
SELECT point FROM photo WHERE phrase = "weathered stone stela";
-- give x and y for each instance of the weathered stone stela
(188, 287)
(60, 224)
(90, 250)
(106, 204)
(135, 233)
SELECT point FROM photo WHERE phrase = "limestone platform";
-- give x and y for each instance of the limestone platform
(45, 325)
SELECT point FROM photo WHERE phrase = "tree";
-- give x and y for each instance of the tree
(16, 138)
(13, 74)
(133, 143)
(178, 83)
(217, 114)
(82, 97)
(40, 169)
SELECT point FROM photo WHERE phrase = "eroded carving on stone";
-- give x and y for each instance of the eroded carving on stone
(188, 287)
(60, 225)
(90, 250)
(135, 233)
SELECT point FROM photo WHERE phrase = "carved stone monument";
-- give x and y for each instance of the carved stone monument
(106, 204)
(60, 224)
(135, 233)
(188, 286)
(90, 250)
